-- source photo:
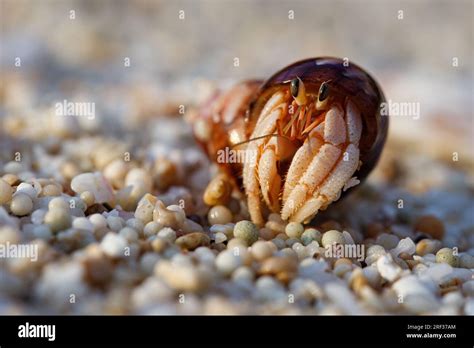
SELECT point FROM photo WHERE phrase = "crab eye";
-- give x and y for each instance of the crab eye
(323, 91)
(294, 87)
(298, 91)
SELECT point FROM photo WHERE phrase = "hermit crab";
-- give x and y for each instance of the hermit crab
(295, 142)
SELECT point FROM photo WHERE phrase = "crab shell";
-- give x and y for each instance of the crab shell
(293, 173)
(221, 123)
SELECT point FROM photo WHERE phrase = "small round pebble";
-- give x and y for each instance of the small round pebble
(11, 179)
(27, 189)
(136, 224)
(294, 230)
(219, 215)
(309, 235)
(243, 274)
(151, 228)
(192, 240)
(58, 203)
(466, 261)
(114, 245)
(51, 190)
(83, 223)
(247, 231)
(332, 237)
(98, 221)
(129, 234)
(446, 255)
(427, 246)
(218, 191)
(261, 250)
(58, 219)
(37, 217)
(168, 234)
(115, 223)
(266, 233)
(236, 242)
(279, 243)
(88, 198)
(6, 192)
(220, 237)
(21, 204)
(227, 262)
(159, 244)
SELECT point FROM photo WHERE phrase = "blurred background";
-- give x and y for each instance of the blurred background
(140, 59)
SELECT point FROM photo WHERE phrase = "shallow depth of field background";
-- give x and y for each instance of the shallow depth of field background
(82, 58)
(176, 62)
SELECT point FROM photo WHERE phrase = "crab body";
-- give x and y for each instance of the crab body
(308, 133)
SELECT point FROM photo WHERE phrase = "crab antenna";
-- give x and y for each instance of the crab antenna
(260, 137)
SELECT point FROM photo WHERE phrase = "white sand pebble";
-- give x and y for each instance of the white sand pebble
(114, 245)
(6, 192)
(94, 183)
(417, 295)
(372, 275)
(191, 226)
(139, 176)
(21, 204)
(151, 228)
(374, 253)
(205, 255)
(184, 278)
(7, 220)
(83, 223)
(115, 223)
(59, 281)
(27, 189)
(168, 234)
(58, 219)
(469, 307)
(220, 237)
(468, 288)
(466, 261)
(43, 232)
(343, 298)
(136, 224)
(129, 234)
(58, 203)
(151, 291)
(388, 269)
(148, 262)
(37, 217)
(98, 221)
(145, 208)
(442, 273)
(268, 289)
(227, 262)
(348, 237)
(454, 298)
(406, 245)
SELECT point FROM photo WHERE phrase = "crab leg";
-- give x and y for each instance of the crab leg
(318, 169)
(270, 180)
(300, 162)
(265, 126)
(327, 174)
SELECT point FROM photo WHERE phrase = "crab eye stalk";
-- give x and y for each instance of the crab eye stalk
(298, 92)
